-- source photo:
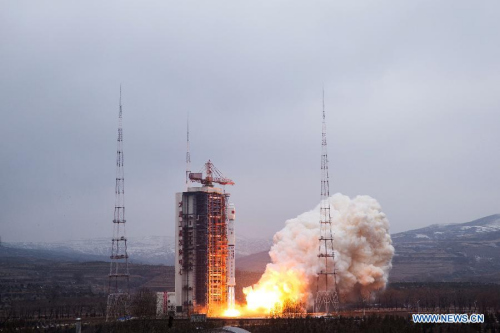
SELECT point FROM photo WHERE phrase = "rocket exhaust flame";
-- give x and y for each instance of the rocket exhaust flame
(274, 289)
(363, 253)
(231, 313)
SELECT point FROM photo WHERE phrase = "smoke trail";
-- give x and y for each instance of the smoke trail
(363, 253)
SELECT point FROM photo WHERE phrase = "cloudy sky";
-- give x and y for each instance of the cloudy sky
(412, 93)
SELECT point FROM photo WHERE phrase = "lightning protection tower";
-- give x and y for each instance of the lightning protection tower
(118, 283)
(327, 296)
(188, 158)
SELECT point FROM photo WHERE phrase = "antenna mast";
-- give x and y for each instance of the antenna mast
(118, 283)
(325, 296)
(188, 158)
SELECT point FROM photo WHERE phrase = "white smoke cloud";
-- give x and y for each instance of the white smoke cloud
(362, 244)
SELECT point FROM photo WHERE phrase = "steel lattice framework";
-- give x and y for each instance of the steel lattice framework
(327, 296)
(118, 283)
(188, 158)
(217, 253)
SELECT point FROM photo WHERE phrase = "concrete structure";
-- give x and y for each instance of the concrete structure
(165, 304)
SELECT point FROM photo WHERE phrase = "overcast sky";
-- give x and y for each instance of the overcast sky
(412, 93)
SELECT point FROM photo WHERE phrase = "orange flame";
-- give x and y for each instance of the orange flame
(273, 290)
(271, 294)
(231, 313)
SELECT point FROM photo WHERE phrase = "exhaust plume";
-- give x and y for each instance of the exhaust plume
(363, 253)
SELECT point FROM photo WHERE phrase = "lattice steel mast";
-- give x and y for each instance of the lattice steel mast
(118, 283)
(326, 296)
(188, 158)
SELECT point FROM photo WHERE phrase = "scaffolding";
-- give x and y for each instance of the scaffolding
(217, 253)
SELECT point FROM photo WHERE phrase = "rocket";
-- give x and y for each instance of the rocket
(231, 266)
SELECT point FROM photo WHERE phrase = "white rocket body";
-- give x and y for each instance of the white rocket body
(231, 265)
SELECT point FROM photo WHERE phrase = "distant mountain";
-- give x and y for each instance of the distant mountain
(7, 252)
(447, 252)
(482, 229)
(148, 250)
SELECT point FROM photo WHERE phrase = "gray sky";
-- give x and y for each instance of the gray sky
(412, 97)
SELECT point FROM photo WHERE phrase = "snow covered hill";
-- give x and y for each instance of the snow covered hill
(446, 252)
(484, 228)
(449, 252)
(147, 250)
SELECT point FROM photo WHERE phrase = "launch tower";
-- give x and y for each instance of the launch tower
(204, 236)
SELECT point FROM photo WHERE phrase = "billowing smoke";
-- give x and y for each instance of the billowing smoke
(363, 253)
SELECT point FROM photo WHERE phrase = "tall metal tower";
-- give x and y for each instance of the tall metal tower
(327, 296)
(118, 283)
(188, 158)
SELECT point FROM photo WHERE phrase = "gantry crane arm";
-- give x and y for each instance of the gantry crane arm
(212, 175)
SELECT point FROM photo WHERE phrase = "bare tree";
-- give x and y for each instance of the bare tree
(144, 304)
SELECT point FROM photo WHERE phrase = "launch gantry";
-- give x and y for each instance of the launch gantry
(205, 278)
